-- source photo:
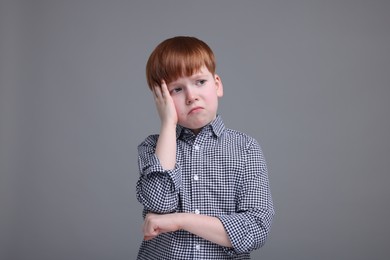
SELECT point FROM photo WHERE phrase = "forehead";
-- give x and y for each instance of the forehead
(202, 72)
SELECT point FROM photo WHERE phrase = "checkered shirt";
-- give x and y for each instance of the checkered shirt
(219, 172)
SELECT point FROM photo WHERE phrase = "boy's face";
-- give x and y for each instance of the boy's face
(196, 98)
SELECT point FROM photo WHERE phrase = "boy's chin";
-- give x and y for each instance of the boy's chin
(197, 127)
(198, 124)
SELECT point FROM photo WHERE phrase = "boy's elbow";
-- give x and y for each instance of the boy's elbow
(256, 234)
(260, 241)
(264, 227)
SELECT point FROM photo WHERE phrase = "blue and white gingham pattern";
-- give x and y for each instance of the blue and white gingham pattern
(220, 172)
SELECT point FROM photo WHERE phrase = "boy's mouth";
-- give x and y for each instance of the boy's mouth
(195, 109)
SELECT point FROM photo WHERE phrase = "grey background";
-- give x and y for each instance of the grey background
(308, 79)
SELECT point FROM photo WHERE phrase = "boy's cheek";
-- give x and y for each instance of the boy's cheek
(178, 108)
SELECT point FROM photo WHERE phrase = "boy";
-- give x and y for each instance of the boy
(204, 187)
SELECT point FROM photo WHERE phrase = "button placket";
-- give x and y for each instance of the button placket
(196, 184)
(196, 153)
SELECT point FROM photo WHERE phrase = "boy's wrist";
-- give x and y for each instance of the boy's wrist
(168, 125)
(181, 219)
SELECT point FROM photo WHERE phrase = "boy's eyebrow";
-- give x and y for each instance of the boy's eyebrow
(198, 75)
(193, 77)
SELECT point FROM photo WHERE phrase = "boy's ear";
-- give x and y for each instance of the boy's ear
(218, 85)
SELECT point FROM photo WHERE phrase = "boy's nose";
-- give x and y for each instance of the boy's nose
(190, 97)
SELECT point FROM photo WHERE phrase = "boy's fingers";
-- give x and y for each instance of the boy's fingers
(160, 90)
(164, 88)
(148, 237)
(163, 84)
(150, 232)
(157, 91)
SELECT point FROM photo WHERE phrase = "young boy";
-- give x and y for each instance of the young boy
(204, 187)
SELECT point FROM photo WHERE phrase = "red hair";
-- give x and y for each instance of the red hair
(177, 57)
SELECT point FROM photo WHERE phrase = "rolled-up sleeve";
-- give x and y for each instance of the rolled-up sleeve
(249, 227)
(157, 189)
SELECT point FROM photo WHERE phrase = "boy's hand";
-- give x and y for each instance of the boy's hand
(164, 103)
(156, 224)
(207, 227)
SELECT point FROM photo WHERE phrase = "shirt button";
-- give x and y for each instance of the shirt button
(197, 211)
(196, 177)
(197, 147)
(197, 247)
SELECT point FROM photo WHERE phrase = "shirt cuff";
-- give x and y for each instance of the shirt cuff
(156, 168)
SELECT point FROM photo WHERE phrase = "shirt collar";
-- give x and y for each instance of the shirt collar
(217, 127)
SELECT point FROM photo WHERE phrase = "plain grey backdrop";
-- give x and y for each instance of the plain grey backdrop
(308, 79)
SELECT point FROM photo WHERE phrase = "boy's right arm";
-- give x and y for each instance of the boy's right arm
(166, 144)
(158, 186)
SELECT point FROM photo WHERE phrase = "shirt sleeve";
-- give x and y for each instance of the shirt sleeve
(249, 227)
(157, 189)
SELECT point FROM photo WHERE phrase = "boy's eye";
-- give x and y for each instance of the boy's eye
(175, 90)
(201, 82)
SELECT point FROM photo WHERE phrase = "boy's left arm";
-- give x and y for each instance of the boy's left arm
(249, 227)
